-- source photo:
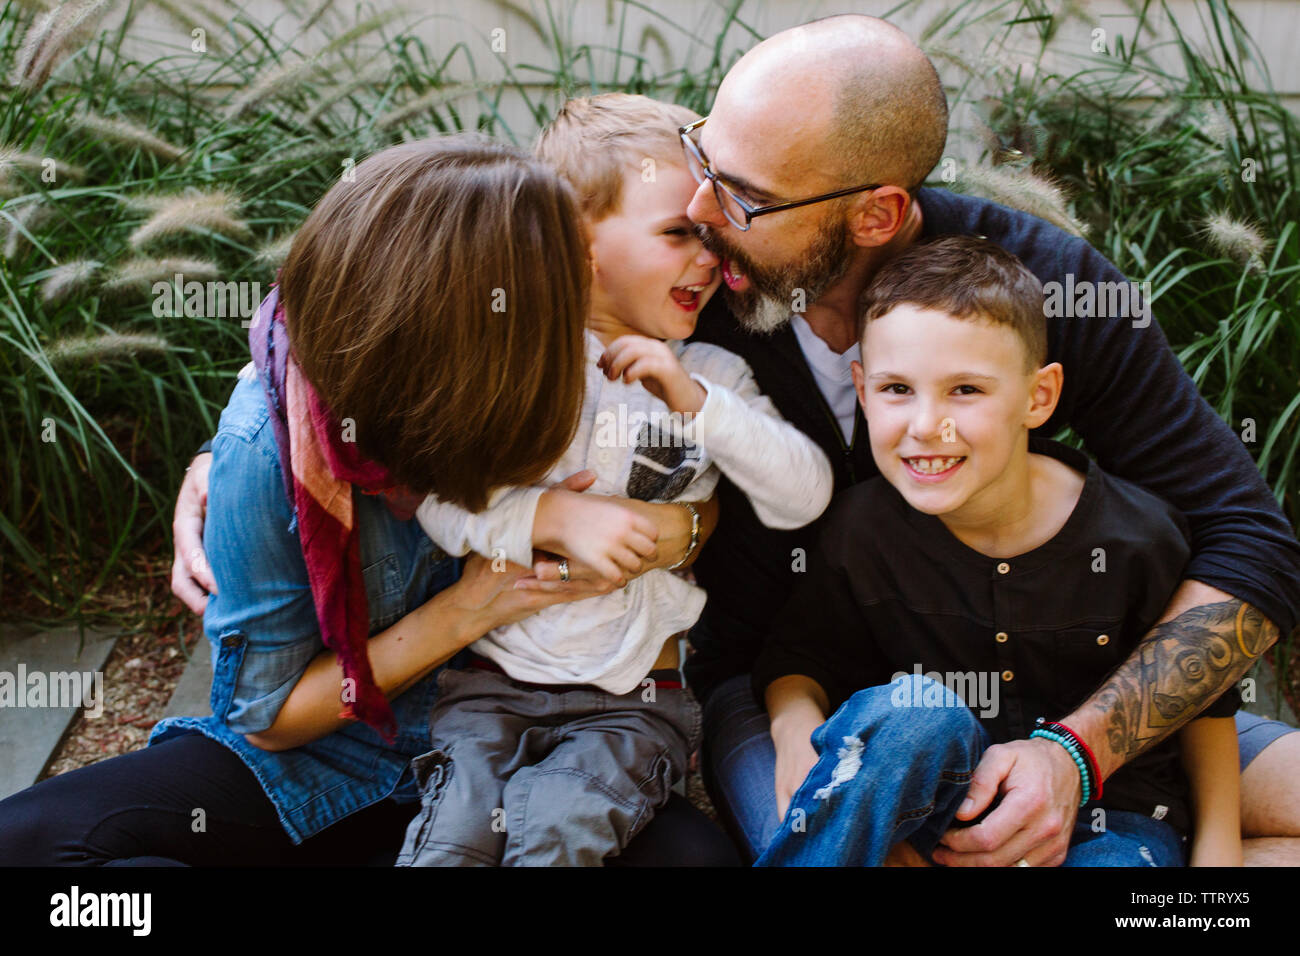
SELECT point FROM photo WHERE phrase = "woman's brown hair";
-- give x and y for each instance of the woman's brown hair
(437, 299)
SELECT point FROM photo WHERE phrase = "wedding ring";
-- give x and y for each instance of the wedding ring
(1023, 862)
(564, 576)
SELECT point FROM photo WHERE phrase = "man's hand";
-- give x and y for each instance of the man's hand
(1040, 787)
(192, 579)
(638, 358)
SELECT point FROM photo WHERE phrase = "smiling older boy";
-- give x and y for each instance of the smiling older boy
(978, 550)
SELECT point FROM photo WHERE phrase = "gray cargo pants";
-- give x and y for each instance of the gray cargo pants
(522, 775)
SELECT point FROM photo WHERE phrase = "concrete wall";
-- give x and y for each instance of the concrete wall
(483, 36)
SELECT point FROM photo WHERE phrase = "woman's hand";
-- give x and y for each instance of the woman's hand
(192, 579)
(424, 639)
(491, 599)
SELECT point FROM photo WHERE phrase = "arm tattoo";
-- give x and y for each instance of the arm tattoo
(1177, 670)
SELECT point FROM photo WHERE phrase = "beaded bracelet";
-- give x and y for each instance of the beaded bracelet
(1095, 771)
(1077, 757)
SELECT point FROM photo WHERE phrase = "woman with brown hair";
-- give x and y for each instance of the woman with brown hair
(425, 337)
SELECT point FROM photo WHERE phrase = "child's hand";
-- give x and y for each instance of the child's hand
(1216, 850)
(652, 363)
(613, 540)
(795, 758)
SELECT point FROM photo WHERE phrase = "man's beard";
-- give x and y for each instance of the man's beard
(766, 305)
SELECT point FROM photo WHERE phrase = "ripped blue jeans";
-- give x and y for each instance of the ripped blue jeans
(887, 773)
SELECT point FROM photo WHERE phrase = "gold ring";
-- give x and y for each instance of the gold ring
(564, 570)
(1023, 862)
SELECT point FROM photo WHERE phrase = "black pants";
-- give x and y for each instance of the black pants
(191, 801)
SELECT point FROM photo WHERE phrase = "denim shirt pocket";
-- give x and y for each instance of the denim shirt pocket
(230, 650)
(402, 568)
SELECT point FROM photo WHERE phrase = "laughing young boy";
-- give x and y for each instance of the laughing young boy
(986, 579)
(559, 742)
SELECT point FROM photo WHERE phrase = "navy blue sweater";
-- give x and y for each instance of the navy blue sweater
(1125, 394)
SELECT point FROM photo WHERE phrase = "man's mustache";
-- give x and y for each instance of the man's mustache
(710, 240)
(721, 248)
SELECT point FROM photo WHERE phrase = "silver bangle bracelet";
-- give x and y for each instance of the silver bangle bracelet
(695, 535)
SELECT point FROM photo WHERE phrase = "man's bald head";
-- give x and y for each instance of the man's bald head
(869, 92)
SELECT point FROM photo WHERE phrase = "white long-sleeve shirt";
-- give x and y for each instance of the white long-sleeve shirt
(638, 449)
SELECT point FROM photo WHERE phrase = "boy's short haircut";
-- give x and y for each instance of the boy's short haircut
(594, 140)
(967, 278)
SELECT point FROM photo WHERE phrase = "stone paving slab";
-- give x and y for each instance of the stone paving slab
(191, 698)
(39, 670)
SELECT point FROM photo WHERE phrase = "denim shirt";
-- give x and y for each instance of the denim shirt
(263, 630)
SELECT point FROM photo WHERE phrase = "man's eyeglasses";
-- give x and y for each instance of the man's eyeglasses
(739, 212)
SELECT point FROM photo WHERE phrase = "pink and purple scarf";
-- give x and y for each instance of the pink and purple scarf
(319, 471)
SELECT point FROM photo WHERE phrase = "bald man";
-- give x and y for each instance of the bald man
(809, 171)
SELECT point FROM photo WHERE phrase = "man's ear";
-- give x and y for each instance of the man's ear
(860, 384)
(876, 216)
(1044, 393)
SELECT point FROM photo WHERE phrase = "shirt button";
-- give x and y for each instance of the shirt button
(1003, 567)
(1000, 637)
(1103, 639)
(1007, 675)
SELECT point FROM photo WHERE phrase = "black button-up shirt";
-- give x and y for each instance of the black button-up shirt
(890, 589)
